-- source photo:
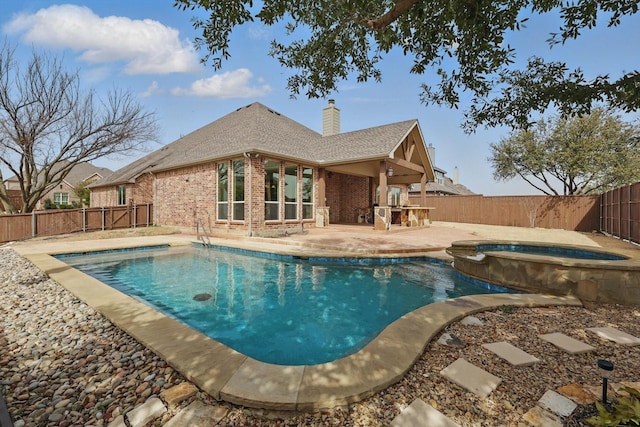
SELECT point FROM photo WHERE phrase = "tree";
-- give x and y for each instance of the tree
(463, 40)
(83, 193)
(584, 155)
(48, 125)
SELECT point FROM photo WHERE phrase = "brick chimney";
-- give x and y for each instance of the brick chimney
(330, 119)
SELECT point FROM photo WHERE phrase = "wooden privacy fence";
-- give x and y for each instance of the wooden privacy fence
(620, 212)
(63, 221)
(579, 213)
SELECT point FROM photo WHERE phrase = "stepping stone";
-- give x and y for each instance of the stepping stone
(470, 377)
(557, 403)
(420, 414)
(567, 344)
(471, 321)
(149, 410)
(578, 394)
(178, 393)
(511, 353)
(615, 335)
(117, 422)
(198, 414)
(450, 340)
(540, 417)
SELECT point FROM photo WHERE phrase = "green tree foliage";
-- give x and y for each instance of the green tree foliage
(48, 125)
(582, 155)
(464, 41)
(83, 193)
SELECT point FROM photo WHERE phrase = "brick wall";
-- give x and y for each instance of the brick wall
(183, 195)
(346, 195)
(139, 193)
(103, 196)
(186, 194)
(66, 188)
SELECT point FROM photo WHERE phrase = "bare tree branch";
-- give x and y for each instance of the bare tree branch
(48, 124)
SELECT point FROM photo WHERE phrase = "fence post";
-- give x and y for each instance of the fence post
(84, 220)
(135, 216)
(34, 224)
(629, 216)
(102, 217)
(148, 214)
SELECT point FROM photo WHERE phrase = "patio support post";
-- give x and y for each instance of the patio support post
(322, 188)
(383, 184)
(423, 190)
(382, 213)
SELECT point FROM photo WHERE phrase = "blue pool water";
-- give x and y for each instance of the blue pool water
(549, 250)
(285, 311)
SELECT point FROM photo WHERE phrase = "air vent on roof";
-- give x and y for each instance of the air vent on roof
(274, 112)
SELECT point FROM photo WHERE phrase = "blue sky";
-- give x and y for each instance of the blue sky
(146, 46)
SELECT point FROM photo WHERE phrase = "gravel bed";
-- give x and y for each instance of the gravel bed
(63, 364)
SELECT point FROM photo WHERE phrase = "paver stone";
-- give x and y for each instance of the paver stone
(567, 344)
(557, 403)
(420, 414)
(511, 353)
(470, 377)
(615, 335)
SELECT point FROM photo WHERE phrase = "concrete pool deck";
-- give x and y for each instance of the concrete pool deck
(229, 375)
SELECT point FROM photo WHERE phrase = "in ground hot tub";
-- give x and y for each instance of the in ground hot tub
(587, 272)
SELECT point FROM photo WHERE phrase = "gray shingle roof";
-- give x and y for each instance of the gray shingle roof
(80, 172)
(257, 128)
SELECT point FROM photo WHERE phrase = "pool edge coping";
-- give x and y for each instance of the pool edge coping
(229, 375)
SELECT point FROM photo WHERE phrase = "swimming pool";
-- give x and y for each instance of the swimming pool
(281, 310)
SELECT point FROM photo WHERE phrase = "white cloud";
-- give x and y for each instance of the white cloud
(145, 46)
(233, 84)
(153, 89)
(259, 32)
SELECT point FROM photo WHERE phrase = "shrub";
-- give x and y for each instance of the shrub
(625, 411)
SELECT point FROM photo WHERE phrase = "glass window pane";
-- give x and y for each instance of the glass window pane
(307, 185)
(238, 180)
(122, 194)
(223, 210)
(291, 183)
(271, 180)
(223, 182)
(291, 211)
(223, 191)
(271, 190)
(271, 211)
(307, 211)
(238, 211)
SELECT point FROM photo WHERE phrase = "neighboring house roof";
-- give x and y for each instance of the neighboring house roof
(257, 128)
(85, 171)
(448, 187)
(80, 172)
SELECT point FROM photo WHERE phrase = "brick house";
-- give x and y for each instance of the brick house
(256, 171)
(63, 193)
